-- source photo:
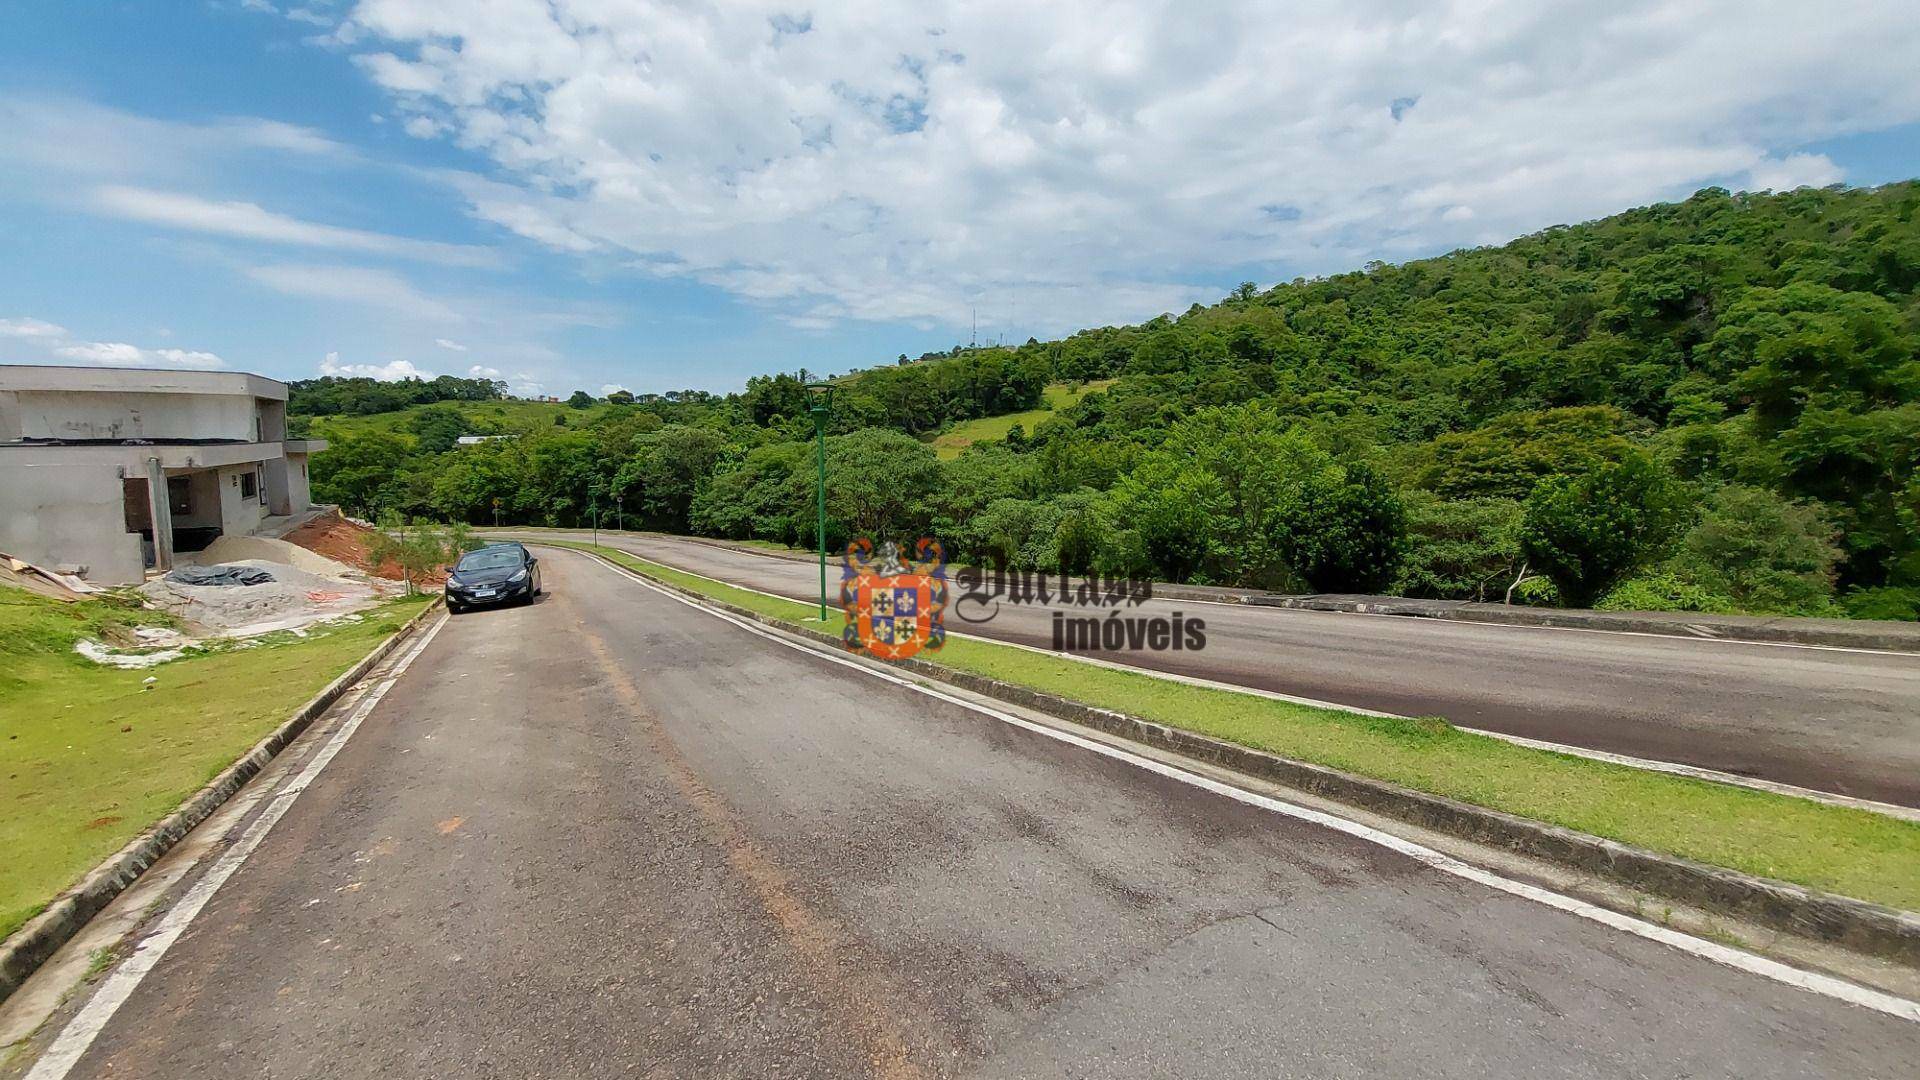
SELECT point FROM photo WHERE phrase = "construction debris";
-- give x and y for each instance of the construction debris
(222, 576)
(288, 599)
(42, 581)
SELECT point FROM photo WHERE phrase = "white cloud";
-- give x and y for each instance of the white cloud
(481, 371)
(388, 372)
(247, 221)
(452, 346)
(309, 16)
(187, 358)
(101, 352)
(355, 285)
(1085, 161)
(56, 341)
(35, 329)
(1793, 171)
(610, 388)
(64, 138)
(121, 354)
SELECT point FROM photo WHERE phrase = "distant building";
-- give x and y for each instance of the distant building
(109, 471)
(470, 440)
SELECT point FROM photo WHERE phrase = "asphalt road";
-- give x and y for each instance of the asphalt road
(608, 834)
(1833, 720)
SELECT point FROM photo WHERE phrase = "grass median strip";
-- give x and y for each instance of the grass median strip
(1834, 849)
(90, 756)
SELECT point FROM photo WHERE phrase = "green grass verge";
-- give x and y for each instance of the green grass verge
(1830, 848)
(948, 444)
(89, 758)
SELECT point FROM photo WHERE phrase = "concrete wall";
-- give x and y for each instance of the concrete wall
(288, 489)
(56, 414)
(70, 515)
(299, 485)
(204, 499)
(239, 514)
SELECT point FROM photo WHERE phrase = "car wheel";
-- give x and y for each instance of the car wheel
(455, 609)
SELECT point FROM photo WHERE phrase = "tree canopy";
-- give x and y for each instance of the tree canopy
(1711, 404)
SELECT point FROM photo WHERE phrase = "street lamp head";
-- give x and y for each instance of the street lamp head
(820, 398)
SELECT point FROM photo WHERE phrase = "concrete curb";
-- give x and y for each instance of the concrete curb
(28, 947)
(1863, 927)
(1838, 633)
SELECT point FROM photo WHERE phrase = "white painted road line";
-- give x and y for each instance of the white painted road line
(1825, 985)
(1692, 636)
(80, 1032)
(1674, 768)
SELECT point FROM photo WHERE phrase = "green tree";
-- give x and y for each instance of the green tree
(437, 427)
(880, 485)
(362, 473)
(1766, 554)
(1466, 549)
(1587, 532)
(580, 399)
(669, 466)
(418, 549)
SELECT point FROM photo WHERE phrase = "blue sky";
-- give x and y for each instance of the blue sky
(571, 195)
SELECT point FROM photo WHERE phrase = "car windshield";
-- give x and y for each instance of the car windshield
(497, 559)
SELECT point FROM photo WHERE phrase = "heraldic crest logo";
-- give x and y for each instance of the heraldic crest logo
(894, 608)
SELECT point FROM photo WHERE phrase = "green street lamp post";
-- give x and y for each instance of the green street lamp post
(819, 405)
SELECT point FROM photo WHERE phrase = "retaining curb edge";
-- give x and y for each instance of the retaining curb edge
(22, 953)
(1859, 925)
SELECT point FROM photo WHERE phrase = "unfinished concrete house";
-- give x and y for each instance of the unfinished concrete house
(107, 472)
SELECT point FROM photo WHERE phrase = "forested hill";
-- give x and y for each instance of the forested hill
(1713, 405)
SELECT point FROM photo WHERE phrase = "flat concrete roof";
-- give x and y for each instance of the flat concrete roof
(117, 380)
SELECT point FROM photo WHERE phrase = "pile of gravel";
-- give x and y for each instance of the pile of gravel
(294, 598)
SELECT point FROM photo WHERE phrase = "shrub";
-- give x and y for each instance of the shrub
(1902, 605)
(1460, 549)
(1587, 532)
(1663, 590)
(1763, 553)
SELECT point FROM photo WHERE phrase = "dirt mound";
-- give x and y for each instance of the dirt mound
(348, 542)
(233, 549)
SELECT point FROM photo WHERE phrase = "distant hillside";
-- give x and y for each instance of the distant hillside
(1711, 404)
(1059, 396)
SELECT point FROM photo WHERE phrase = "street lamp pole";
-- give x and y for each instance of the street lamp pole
(819, 405)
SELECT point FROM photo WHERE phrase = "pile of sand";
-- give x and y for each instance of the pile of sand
(295, 598)
(233, 549)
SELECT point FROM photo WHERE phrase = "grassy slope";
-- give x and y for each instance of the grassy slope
(1851, 852)
(508, 415)
(89, 759)
(515, 415)
(951, 442)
